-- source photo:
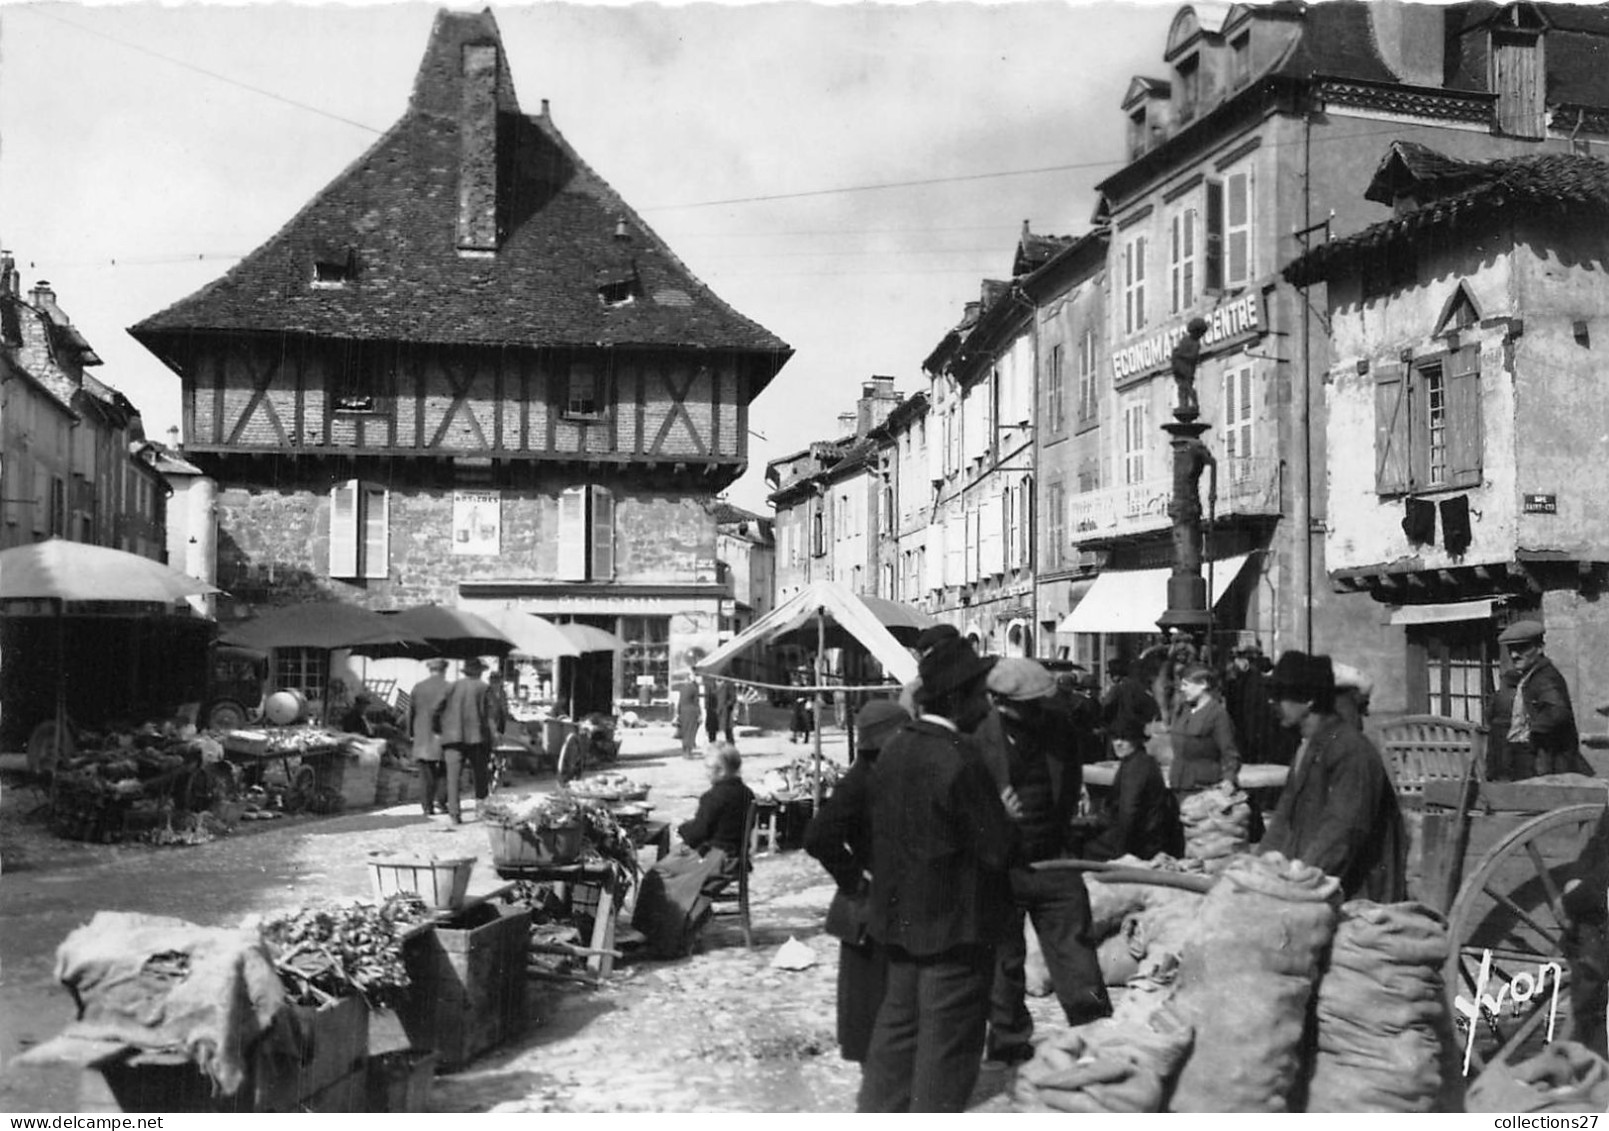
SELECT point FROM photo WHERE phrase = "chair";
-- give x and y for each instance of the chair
(736, 902)
(1424, 748)
(767, 834)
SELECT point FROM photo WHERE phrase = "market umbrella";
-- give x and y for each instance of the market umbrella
(328, 625)
(61, 571)
(589, 639)
(454, 632)
(534, 637)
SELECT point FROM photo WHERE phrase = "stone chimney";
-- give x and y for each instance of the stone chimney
(10, 283)
(477, 151)
(877, 400)
(846, 423)
(43, 298)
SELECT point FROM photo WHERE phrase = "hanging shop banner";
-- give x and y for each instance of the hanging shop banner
(477, 522)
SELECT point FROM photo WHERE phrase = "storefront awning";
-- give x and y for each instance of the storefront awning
(1131, 600)
(1440, 614)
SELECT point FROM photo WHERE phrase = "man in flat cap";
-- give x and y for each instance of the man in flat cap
(1033, 758)
(1338, 810)
(1542, 736)
(940, 899)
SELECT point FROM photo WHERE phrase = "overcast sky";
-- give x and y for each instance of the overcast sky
(144, 148)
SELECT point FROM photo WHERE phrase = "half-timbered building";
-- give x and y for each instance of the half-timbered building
(467, 370)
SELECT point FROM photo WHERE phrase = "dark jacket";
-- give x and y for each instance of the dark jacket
(840, 835)
(1007, 747)
(1338, 812)
(465, 717)
(1258, 734)
(1204, 751)
(1142, 814)
(720, 817)
(1552, 719)
(1128, 705)
(941, 841)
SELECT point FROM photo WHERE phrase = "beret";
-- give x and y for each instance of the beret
(876, 722)
(1017, 678)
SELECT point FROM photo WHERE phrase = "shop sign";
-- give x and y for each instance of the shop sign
(1242, 315)
(477, 522)
(1541, 504)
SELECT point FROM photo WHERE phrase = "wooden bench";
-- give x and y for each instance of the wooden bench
(1419, 749)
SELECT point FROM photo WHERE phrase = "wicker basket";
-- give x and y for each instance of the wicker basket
(440, 883)
(514, 847)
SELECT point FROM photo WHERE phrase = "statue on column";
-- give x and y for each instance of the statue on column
(1186, 356)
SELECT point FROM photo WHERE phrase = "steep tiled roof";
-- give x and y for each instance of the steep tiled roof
(1550, 183)
(1411, 168)
(1034, 251)
(1337, 40)
(394, 211)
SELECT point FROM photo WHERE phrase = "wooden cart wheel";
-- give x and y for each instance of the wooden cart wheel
(304, 783)
(1510, 906)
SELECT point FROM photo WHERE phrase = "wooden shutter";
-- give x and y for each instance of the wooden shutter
(1391, 466)
(573, 534)
(376, 502)
(344, 529)
(992, 536)
(603, 534)
(1464, 418)
(933, 559)
(955, 549)
(1213, 277)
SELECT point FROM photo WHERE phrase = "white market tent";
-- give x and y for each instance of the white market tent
(833, 611)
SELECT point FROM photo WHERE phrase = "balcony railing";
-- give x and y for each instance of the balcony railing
(1247, 486)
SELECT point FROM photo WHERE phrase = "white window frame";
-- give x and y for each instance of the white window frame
(1134, 252)
(1136, 435)
(1184, 244)
(1239, 400)
(586, 530)
(1088, 396)
(360, 531)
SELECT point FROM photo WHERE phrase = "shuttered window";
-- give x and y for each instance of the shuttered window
(1228, 248)
(1134, 285)
(360, 530)
(1427, 424)
(1237, 426)
(1055, 524)
(1182, 260)
(586, 534)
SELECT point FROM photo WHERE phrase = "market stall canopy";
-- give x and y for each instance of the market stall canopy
(1131, 600)
(876, 624)
(589, 639)
(534, 637)
(327, 625)
(60, 570)
(454, 632)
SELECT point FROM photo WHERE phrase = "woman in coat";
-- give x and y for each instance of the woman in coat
(1204, 751)
(1141, 816)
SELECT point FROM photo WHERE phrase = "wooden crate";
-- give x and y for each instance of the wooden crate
(397, 785)
(353, 772)
(468, 984)
(335, 1045)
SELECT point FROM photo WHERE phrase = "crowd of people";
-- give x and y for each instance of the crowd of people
(961, 794)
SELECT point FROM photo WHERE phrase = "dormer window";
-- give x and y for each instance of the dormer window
(1240, 49)
(334, 268)
(1189, 87)
(1139, 134)
(617, 284)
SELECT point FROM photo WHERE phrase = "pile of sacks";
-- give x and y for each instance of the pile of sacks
(1385, 1037)
(1246, 978)
(1215, 822)
(1106, 1067)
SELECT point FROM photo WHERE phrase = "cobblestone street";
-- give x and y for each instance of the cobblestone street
(720, 1031)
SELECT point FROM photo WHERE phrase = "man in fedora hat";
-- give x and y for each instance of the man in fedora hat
(1338, 810)
(1033, 758)
(427, 695)
(940, 897)
(1542, 736)
(466, 721)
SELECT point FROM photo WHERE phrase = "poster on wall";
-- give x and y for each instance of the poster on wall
(477, 522)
